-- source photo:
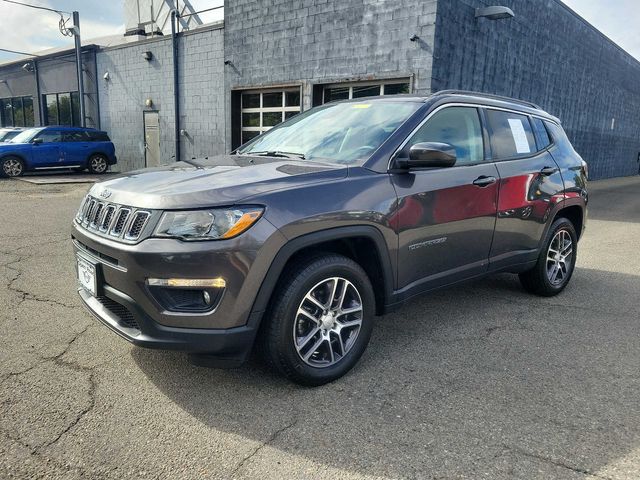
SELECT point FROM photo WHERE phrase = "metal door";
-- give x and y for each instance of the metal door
(151, 139)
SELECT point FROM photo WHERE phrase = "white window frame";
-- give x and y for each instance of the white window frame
(283, 109)
(350, 85)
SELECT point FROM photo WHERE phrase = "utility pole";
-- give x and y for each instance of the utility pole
(76, 34)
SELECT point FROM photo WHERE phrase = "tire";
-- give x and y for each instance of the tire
(11, 167)
(339, 340)
(553, 270)
(98, 163)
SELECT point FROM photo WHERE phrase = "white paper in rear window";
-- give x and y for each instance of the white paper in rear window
(519, 135)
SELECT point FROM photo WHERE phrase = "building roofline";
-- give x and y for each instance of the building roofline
(596, 29)
(49, 56)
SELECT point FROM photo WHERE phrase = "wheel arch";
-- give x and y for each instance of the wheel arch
(363, 244)
(96, 152)
(25, 162)
(575, 214)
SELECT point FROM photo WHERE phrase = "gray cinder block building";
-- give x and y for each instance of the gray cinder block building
(268, 60)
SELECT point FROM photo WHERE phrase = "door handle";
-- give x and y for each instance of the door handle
(484, 181)
(548, 170)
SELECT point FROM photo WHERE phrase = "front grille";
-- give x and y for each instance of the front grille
(137, 224)
(116, 221)
(123, 216)
(105, 223)
(125, 317)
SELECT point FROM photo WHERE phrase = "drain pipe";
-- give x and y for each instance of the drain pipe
(176, 92)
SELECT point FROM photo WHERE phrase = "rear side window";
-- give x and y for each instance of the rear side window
(511, 134)
(78, 136)
(540, 131)
(98, 136)
(457, 126)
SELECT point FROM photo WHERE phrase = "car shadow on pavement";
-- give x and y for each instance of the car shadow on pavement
(479, 379)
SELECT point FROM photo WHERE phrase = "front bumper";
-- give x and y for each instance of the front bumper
(122, 315)
(124, 302)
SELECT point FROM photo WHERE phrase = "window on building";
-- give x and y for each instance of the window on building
(345, 91)
(62, 108)
(262, 110)
(457, 126)
(511, 134)
(16, 112)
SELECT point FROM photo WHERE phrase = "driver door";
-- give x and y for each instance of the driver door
(446, 216)
(45, 149)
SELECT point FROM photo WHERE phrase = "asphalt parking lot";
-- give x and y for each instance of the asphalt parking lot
(480, 381)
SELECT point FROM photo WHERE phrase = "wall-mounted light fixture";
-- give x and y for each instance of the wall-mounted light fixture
(414, 37)
(27, 67)
(496, 12)
(147, 56)
(148, 102)
(106, 77)
(228, 62)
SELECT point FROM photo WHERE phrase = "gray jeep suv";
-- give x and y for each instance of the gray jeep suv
(296, 240)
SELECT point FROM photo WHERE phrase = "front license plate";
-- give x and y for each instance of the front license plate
(87, 275)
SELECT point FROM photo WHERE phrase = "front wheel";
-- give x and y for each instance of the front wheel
(320, 321)
(556, 261)
(11, 167)
(98, 163)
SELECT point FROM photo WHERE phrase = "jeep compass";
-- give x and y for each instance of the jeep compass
(298, 239)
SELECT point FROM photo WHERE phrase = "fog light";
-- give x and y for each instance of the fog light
(188, 282)
(206, 297)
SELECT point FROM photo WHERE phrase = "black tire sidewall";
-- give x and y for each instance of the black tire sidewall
(558, 225)
(287, 304)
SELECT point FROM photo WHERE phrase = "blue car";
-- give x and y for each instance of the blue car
(46, 148)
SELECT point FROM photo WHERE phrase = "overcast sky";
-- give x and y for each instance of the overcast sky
(28, 30)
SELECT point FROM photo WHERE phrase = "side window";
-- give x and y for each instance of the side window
(511, 134)
(542, 136)
(49, 136)
(74, 137)
(457, 126)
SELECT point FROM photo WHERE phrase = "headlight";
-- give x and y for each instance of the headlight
(214, 224)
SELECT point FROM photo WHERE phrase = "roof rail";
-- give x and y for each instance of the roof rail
(487, 95)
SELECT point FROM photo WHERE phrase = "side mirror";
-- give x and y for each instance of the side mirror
(36, 141)
(428, 155)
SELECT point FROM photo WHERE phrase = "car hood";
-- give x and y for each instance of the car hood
(214, 181)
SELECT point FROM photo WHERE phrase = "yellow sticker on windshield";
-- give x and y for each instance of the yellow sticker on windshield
(361, 105)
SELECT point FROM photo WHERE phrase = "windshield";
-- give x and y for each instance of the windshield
(346, 133)
(26, 136)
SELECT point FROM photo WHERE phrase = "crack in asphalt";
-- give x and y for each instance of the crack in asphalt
(24, 294)
(557, 463)
(272, 438)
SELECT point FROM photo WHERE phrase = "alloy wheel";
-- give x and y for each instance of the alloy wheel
(12, 167)
(328, 321)
(98, 164)
(559, 257)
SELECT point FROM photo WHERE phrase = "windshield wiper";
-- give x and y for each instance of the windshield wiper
(276, 153)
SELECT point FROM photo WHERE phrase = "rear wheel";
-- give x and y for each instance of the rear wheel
(11, 167)
(98, 163)
(320, 321)
(556, 261)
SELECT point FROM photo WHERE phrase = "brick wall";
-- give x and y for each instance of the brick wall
(133, 80)
(306, 42)
(549, 55)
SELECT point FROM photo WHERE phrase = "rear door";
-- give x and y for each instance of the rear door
(76, 147)
(446, 216)
(530, 187)
(47, 153)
